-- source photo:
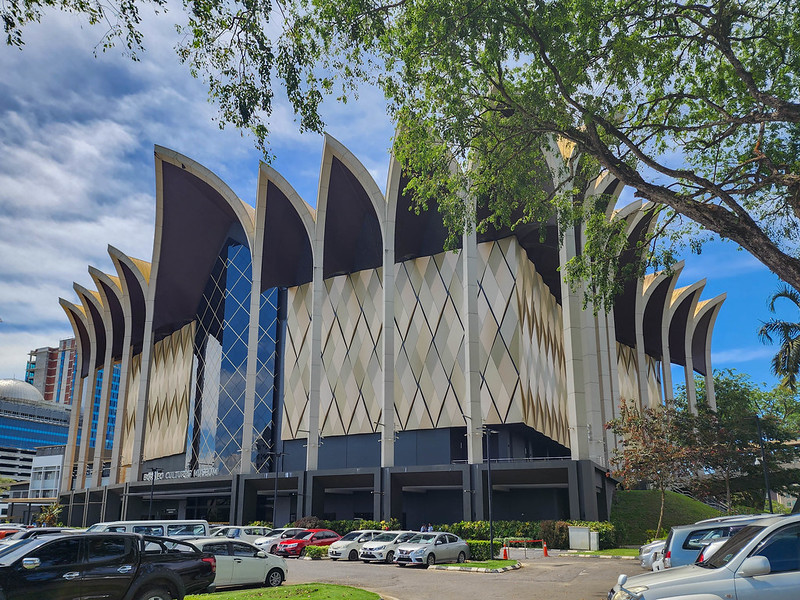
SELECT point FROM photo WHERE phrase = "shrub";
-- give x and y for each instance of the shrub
(308, 523)
(555, 533)
(316, 551)
(479, 549)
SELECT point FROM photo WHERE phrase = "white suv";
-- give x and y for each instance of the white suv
(760, 562)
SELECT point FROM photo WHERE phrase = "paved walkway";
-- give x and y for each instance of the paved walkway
(553, 578)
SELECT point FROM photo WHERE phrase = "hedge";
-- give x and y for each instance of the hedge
(315, 551)
(479, 549)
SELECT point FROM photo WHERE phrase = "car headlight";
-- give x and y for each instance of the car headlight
(289, 545)
(379, 547)
(626, 593)
(418, 552)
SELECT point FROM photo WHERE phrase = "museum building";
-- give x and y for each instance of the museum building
(283, 360)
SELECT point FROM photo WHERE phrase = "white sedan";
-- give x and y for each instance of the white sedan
(350, 544)
(241, 563)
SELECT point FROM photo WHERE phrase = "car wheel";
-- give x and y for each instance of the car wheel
(389, 556)
(274, 578)
(302, 552)
(272, 550)
(461, 557)
(353, 555)
(154, 593)
(431, 560)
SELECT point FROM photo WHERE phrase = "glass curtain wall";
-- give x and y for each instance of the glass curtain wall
(263, 414)
(220, 351)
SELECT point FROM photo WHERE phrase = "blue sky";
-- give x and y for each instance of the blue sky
(76, 140)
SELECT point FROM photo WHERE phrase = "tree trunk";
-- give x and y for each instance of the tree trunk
(661, 513)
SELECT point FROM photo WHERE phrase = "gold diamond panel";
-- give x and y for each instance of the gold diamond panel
(653, 381)
(627, 369)
(521, 352)
(129, 416)
(352, 326)
(170, 392)
(297, 365)
(429, 344)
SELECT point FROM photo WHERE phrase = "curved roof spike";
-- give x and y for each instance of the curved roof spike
(652, 280)
(95, 311)
(111, 290)
(80, 326)
(357, 168)
(303, 208)
(133, 275)
(680, 294)
(626, 211)
(245, 212)
(606, 183)
(705, 315)
(285, 227)
(349, 234)
(140, 268)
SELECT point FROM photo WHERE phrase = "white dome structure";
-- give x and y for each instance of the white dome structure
(14, 389)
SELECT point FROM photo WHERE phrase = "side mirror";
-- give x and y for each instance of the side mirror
(754, 566)
(623, 579)
(30, 563)
(261, 554)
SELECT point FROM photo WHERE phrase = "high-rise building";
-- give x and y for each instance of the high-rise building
(50, 370)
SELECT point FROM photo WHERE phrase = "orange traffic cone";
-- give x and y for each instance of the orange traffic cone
(505, 553)
(544, 547)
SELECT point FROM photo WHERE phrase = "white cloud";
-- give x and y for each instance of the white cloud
(735, 356)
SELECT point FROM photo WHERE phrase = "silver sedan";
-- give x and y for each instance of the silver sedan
(431, 548)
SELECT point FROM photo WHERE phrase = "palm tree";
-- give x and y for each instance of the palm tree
(786, 363)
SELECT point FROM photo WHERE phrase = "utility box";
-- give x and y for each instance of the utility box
(581, 538)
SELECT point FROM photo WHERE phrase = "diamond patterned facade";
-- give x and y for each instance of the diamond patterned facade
(279, 360)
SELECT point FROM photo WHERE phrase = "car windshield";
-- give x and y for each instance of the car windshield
(384, 537)
(11, 553)
(97, 527)
(353, 535)
(732, 547)
(422, 538)
(304, 535)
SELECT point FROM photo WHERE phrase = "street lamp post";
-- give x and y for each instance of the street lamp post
(488, 432)
(153, 472)
(276, 456)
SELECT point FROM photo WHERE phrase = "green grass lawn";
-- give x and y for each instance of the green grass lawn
(636, 511)
(306, 591)
(487, 564)
(612, 552)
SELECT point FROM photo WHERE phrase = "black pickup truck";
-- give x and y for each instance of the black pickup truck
(103, 566)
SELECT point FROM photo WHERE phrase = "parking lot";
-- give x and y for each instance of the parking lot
(552, 578)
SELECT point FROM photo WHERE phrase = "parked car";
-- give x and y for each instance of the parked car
(242, 563)
(270, 542)
(240, 532)
(350, 544)
(384, 546)
(310, 537)
(103, 566)
(650, 552)
(34, 532)
(177, 529)
(684, 542)
(431, 548)
(760, 562)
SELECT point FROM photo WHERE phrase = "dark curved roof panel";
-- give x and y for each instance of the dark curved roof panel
(117, 318)
(653, 312)
(417, 235)
(625, 302)
(353, 240)
(197, 221)
(287, 256)
(136, 295)
(677, 329)
(699, 342)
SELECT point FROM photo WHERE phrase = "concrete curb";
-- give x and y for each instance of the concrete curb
(475, 569)
(571, 554)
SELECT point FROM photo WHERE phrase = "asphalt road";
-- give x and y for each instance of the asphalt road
(552, 578)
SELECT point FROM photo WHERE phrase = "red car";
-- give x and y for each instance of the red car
(310, 537)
